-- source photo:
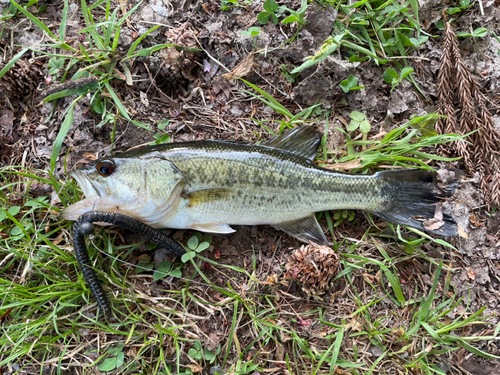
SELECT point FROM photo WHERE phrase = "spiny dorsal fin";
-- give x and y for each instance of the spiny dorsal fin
(302, 141)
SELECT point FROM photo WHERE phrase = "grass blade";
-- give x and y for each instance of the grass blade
(66, 125)
(136, 43)
(35, 20)
(12, 62)
(64, 20)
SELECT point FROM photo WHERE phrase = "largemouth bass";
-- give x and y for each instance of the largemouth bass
(210, 185)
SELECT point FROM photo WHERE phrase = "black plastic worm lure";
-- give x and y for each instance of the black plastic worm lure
(83, 227)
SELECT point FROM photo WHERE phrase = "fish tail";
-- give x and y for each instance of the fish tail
(410, 198)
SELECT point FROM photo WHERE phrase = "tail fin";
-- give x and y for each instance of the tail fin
(411, 196)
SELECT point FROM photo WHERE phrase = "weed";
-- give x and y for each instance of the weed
(297, 16)
(381, 33)
(114, 359)
(392, 77)
(197, 352)
(271, 12)
(253, 32)
(286, 73)
(196, 245)
(99, 57)
(480, 32)
(349, 84)
(161, 138)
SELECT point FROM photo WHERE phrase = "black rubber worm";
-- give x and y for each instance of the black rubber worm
(83, 227)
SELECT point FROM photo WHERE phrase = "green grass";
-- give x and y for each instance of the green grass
(229, 310)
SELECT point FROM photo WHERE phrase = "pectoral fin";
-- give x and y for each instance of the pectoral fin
(207, 195)
(305, 229)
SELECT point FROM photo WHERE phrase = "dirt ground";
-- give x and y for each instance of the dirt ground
(188, 89)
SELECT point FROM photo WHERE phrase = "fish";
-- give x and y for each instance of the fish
(210, 185)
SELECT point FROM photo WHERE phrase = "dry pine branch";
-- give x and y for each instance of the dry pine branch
(457, 88)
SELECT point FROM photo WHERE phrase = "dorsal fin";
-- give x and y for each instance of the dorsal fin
(302, 141)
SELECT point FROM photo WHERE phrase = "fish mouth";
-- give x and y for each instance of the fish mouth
(92, 193)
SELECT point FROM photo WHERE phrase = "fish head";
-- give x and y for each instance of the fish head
(109, 184)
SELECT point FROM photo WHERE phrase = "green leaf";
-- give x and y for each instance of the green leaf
(116, 349)
(16, 231)
(390, 75)
(108, 364)
(289, 19)
(274, 18)
(329, 46)
(208, 355)
(426, 126)
(357, 116)
(14, 210)
(263, 18)
(117, 101)
(35, 20)
(270, 6)
(352, 126)
(202, 246)
(364, 126)
(164, 269)
(136, 43)
(480, 32)
(120, 359)
(176, 272)
(9, 65)
(188, 256)
(193, 243)
(344, 85)
(405, 72)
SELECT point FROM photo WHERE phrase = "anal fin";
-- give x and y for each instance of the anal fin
(305, 229)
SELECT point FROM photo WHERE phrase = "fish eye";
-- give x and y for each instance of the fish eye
(106, 168)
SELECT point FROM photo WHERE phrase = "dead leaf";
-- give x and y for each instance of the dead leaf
(280, 352)
(272, 279)
(347, 166)
(433, 224)
(356, 325)
(195, 368)
(398, 332)
(461, 232)
(369, 278)
(471, 274)
(242, 69)
(144, 98)
(88, 156)
(219, 84)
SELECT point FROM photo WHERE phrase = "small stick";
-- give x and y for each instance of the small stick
(83, 227)
(68, 85)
